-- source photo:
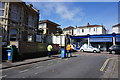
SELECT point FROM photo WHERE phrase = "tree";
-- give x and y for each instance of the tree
(60, 31)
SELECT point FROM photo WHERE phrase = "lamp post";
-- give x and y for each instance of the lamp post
(114, 39)
(88, 39)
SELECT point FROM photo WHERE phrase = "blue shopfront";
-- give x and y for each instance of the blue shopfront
(103, 41)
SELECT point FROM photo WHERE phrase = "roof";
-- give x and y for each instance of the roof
(91, 26)
(48, 21)
(118, 25)
(68, 28)
(30, 7)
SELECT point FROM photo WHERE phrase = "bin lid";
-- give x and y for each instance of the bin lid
(8, 50)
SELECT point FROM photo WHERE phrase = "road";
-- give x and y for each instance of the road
(81, 65)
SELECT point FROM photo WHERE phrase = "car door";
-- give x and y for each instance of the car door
(89, 49)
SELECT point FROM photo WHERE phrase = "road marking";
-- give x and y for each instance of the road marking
(50, 64)
(104, 65)
(65, 59)
(39, 66)
(58, 61)
(23, 71)
(23, 77)
(36, 73)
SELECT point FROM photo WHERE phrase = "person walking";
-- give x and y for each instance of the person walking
(49, 49)
(68, 50)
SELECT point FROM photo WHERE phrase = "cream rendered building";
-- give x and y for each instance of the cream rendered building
(116, 29)
(89, 29)
(19, 21)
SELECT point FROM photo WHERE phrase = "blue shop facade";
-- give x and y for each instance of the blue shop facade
(103, 41)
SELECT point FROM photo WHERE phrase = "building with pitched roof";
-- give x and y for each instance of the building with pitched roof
(48, 26)
(90, 29)
(68, 30)
(116, 29)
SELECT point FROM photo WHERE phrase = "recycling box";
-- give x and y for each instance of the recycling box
(63, 54)
(9, 54)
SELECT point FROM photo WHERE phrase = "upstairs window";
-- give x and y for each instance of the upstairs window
(94, 30)
(89, 29)
(1, 12)
(31, 21)
(15, 12)
(2, 5)
(82, 30)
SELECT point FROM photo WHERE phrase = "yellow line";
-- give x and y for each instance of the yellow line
(104, 65)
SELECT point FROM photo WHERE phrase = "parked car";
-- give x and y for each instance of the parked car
(89, 49)
(114, 49)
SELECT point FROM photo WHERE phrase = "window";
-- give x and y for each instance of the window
(119, 29)
(78, 31)
(13, 34)
(31, 21)
(14, 12)
(1, 12)
(2, 4)
(30, 38)
(82, 30)
(89, 29)
(1, 19)
(94, 29)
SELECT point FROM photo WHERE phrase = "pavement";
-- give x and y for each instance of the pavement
(9, 64)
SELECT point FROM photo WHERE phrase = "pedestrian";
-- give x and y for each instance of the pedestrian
(49, 49)
(68, 50)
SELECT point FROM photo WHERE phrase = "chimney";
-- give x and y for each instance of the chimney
(88, 24)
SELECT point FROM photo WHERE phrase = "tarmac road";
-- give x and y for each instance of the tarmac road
(81, 65)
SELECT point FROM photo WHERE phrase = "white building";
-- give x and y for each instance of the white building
(89, 29)
(68, 30)
(116, 29)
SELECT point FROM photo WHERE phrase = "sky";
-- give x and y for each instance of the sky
(79, 13)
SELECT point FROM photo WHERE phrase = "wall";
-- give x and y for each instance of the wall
(59, 40)
(32, 47)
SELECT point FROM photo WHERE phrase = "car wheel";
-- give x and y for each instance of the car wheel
(113, 52)
(82, 50)
(95, 51)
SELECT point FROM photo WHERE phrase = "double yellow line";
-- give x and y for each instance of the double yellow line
(104, 65)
